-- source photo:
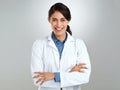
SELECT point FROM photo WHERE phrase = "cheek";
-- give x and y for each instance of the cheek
(65, 24)
(53, 24)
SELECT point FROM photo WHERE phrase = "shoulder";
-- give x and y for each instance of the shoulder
(80, 43)
(79, 40)
(75, 39)
(39, 42)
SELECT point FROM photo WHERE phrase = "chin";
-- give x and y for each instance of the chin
(59, 33)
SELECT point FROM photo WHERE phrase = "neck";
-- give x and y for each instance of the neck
(61, 37)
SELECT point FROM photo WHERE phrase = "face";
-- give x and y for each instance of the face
(58, 23)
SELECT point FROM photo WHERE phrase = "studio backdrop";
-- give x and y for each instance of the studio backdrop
(97, 22)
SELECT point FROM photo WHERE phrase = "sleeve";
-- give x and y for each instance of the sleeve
(77, 78)
(57, 76)
(36, 59)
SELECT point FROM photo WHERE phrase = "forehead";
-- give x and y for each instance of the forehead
(57, 15)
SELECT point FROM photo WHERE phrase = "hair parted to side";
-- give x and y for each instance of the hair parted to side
(64, 10)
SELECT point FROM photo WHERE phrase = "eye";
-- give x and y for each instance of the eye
(54, 19)
(63, 19)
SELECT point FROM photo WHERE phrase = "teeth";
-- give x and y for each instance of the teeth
(58, 28)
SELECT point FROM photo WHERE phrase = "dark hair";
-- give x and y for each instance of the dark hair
(62, 9)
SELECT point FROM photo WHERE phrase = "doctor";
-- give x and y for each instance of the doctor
(59, 61)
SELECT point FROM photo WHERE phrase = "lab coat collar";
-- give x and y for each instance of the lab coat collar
(69, 38)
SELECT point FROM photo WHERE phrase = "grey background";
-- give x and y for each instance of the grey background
(97, 22)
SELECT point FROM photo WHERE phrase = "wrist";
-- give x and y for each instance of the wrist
(53, 75)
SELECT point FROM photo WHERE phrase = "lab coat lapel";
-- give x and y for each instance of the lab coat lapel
(70, 41)
(51, 42)
(55, 52)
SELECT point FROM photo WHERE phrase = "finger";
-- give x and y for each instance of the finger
(42, 81)
(70, 71)
(81, 64)
(82, 71)
(39, 80)
(36, 76)
(40, 73)
(37, 72)
(84, 68)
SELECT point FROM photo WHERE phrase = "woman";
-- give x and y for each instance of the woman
(60, 62)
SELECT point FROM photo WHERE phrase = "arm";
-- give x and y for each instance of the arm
(38, 75)
(78, 78)
(37, 66)
(79, 68)
(36, 59)
(45, 76)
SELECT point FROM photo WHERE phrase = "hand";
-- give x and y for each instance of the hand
(43, 76)
(79, 68)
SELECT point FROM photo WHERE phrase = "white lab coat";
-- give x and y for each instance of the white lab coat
(45, 58)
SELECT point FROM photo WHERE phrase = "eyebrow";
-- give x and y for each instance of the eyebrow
(56, 18)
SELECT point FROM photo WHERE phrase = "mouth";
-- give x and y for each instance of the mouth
(58, 29)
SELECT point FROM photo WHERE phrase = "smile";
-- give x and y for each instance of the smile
(58, 29)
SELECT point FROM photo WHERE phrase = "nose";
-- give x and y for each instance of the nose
(58, 23)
